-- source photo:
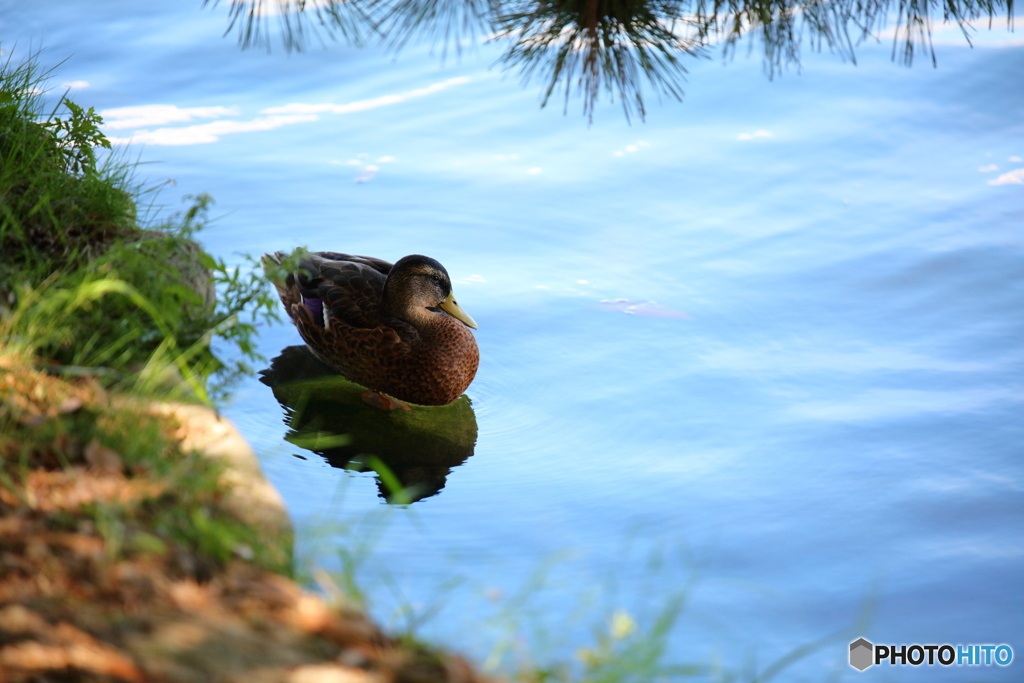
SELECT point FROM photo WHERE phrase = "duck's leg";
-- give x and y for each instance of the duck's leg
(383, 401)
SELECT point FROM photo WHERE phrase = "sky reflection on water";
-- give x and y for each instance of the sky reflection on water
(816, 414)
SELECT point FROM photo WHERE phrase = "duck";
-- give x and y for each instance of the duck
(395, 328)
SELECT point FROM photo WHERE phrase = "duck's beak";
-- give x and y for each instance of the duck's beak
(452, 308)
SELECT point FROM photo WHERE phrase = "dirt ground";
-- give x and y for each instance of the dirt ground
(95, 586)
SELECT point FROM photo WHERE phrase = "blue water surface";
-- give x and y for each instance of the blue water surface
(764, 349)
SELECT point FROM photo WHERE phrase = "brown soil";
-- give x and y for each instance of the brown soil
(80, 602)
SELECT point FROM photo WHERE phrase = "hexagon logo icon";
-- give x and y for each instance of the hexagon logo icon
(862, 654)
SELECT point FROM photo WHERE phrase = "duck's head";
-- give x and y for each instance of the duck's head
(418, 288)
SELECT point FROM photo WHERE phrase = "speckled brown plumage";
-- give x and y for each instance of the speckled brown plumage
(385, 327)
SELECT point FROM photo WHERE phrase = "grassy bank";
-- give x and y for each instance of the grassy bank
(134, 545)
(123, 558)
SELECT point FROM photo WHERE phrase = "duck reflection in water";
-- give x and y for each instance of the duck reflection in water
(325, 414)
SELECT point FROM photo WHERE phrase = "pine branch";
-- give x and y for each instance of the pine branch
(620, 48)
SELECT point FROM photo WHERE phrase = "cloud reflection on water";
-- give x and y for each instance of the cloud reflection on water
(273, 117)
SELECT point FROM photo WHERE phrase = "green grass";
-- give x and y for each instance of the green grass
(58, 206)
(96, 287)
(91, 301)
(156, 499)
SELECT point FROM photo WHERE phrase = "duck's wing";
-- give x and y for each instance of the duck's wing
(351, 292)
(380, 265)
(331, 286)
(342, 288)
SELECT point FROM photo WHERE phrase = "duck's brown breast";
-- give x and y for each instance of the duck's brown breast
(439, 368)
(434, 366)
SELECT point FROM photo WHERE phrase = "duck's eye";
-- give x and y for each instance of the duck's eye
(436, 279)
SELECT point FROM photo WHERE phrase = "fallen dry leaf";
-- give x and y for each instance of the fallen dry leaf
(103, 460)
(69, 405)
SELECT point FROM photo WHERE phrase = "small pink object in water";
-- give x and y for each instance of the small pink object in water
(650, 309)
